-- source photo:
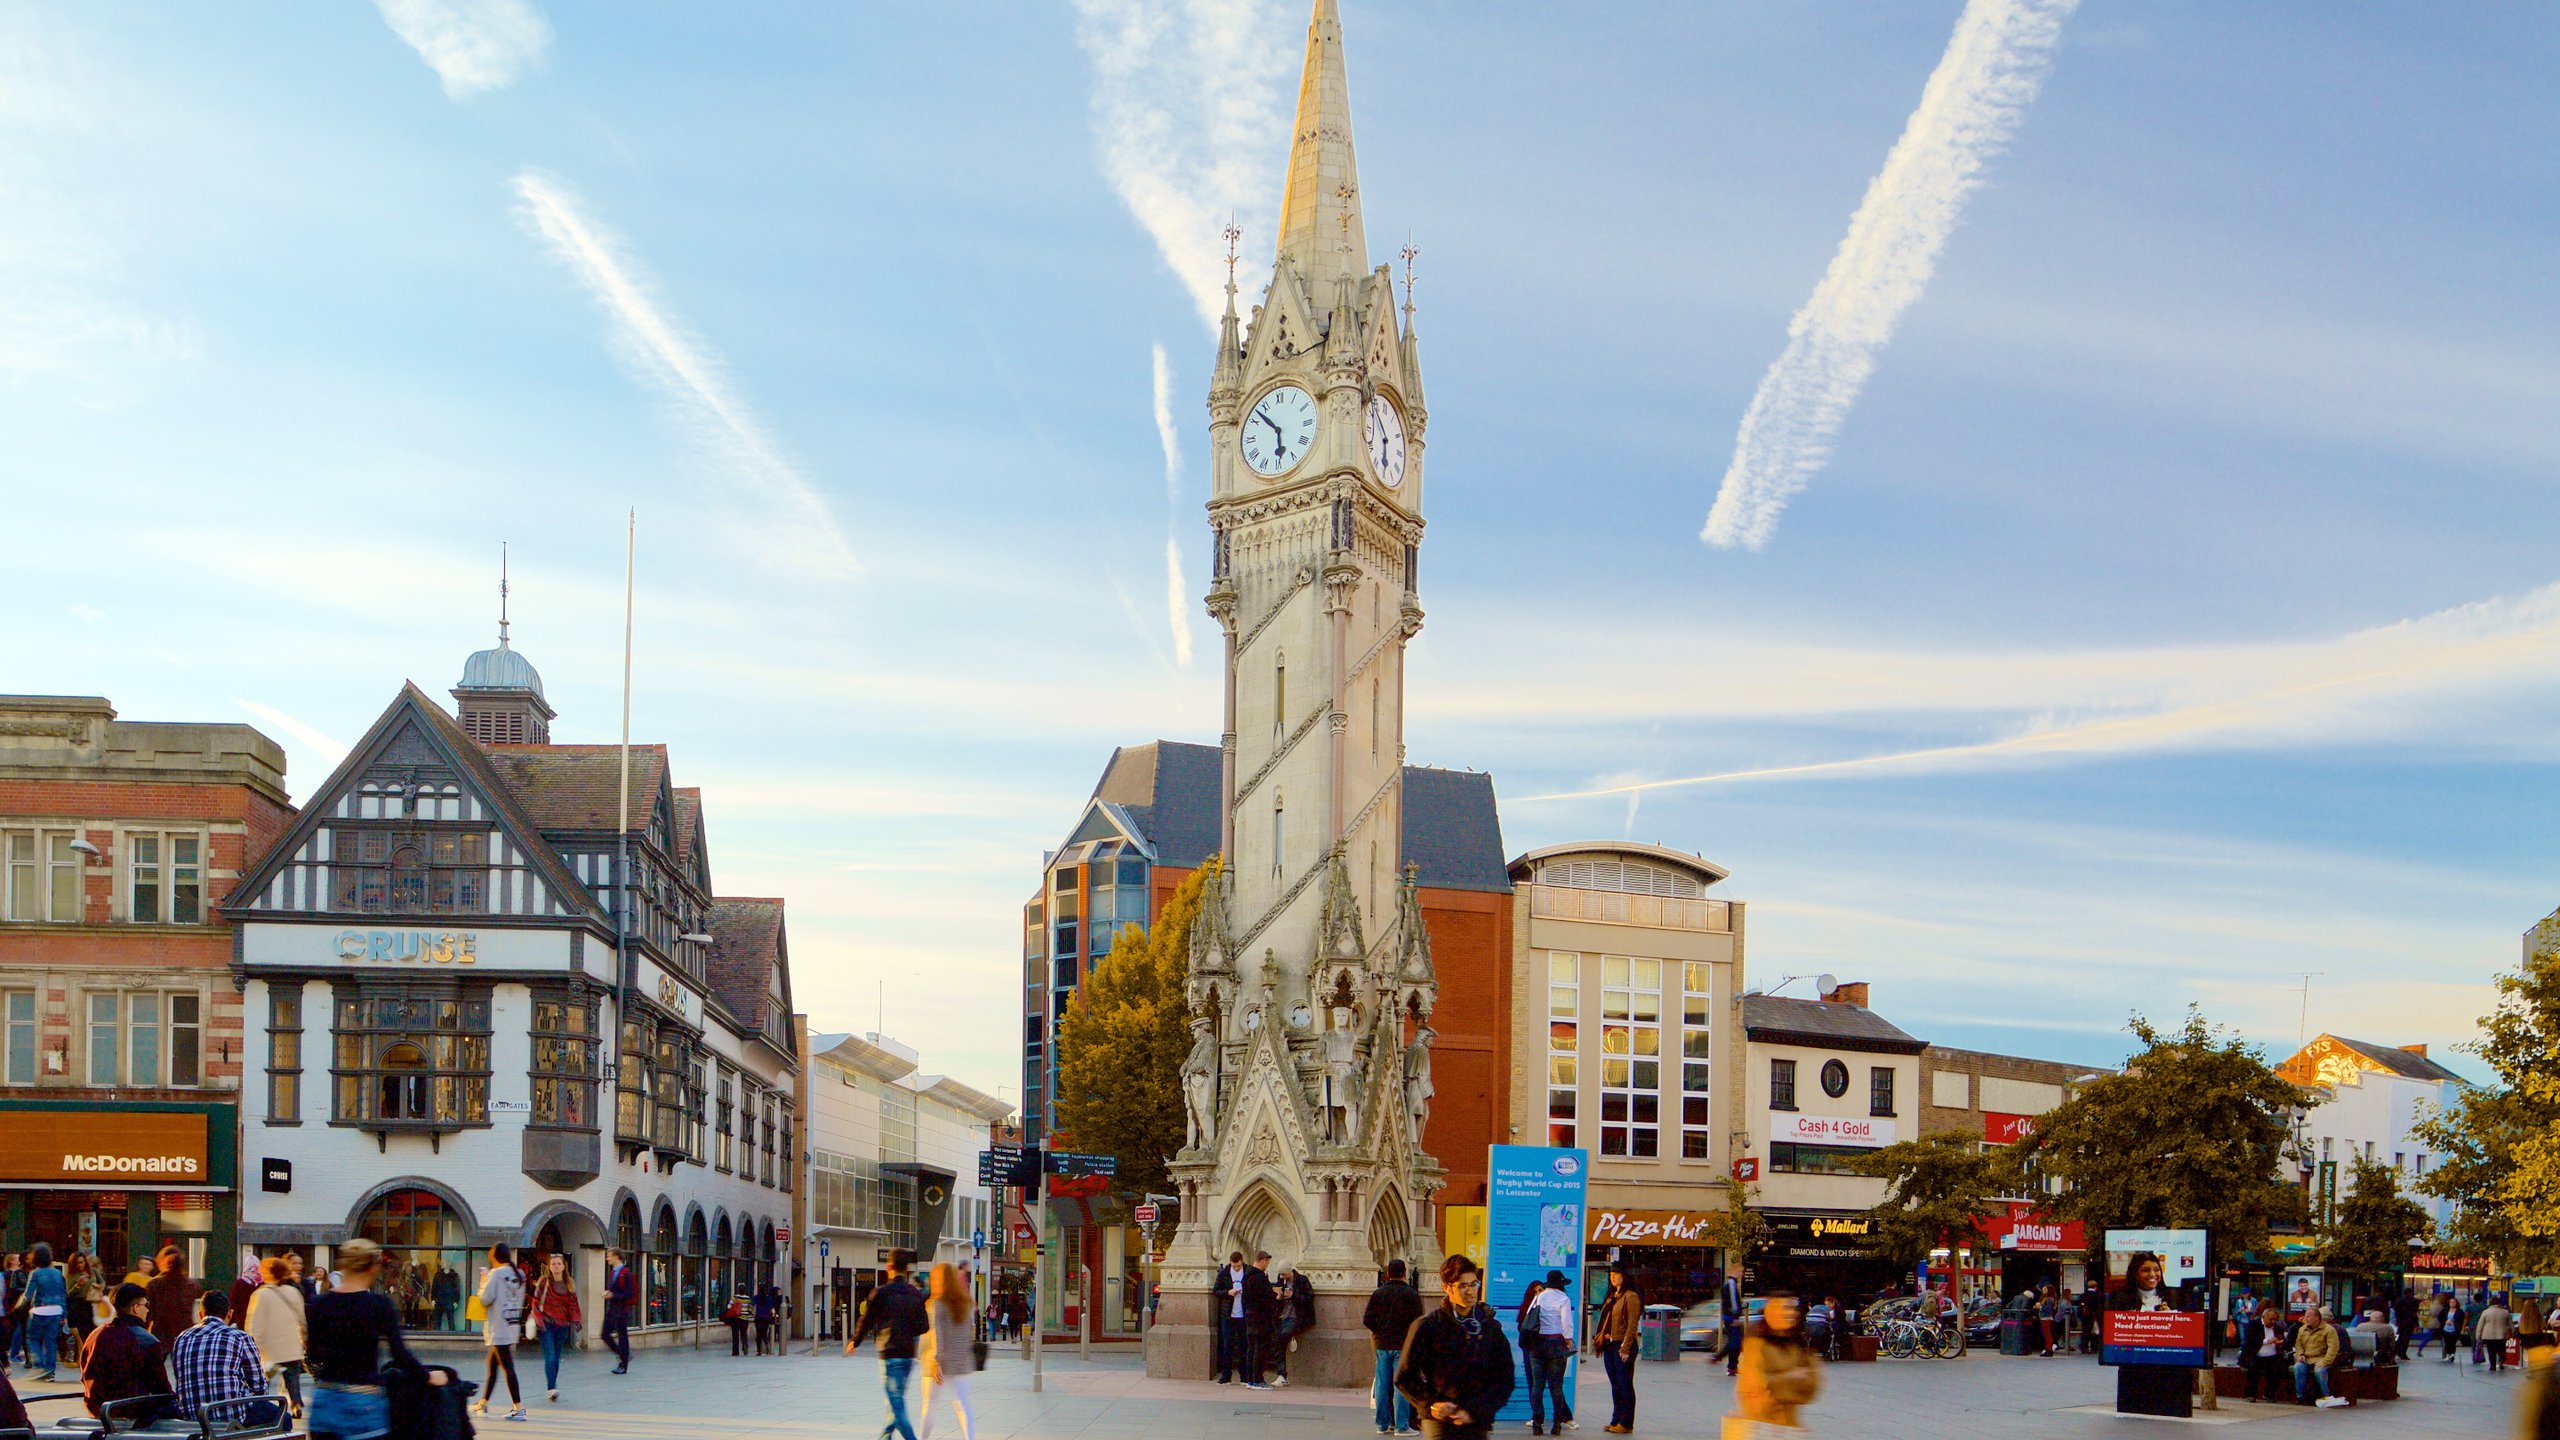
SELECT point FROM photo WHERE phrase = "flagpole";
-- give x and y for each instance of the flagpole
(622, 831)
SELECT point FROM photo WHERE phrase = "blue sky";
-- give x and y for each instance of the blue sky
(2180, 578)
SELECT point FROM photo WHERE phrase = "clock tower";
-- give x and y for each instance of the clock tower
(1308, 1086)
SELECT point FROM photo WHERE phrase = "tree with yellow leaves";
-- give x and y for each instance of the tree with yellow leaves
(1122, 1043)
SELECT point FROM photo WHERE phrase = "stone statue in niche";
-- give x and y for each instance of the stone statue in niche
(1341, 1080)
(1417, 1081)
(1200, 1085)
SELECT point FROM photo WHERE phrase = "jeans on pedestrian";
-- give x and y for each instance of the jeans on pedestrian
(894, 1374)
(1622, 1385)
(2310, 1382)
(290, 1373)
(1394, 1411)
(1732, 1352)
(44, 1342)
(555, 1338)
(348, 1412)
(1231, 1346)
(1547, 1358)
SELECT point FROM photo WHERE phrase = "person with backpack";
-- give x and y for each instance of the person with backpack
(1546, 1345)
(734, 1315)
(502, 1301)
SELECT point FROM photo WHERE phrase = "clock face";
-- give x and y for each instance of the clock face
(1279, 430)
(1386, 441)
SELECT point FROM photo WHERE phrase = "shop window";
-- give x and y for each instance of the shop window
(631, 1084)
(164, 877)
(428, 1265)
(564, 1061)
(18, 1037)
(1789, 1158)
(725, 1123)
(1782, 1084)
(661, 1268)
(1564, 1048)
(1697, 1069)
(1880, 1090)
(284, 1053)
(40, 880)
(411, 1059)
(1630, 1056)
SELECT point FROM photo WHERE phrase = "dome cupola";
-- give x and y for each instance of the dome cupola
(500, 700)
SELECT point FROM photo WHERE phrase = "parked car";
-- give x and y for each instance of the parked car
(1702, 1324)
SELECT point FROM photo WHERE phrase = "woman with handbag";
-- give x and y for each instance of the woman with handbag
(556, 1318)
(1777, 1378)
(502, 1301)
(950, 1353)
(277, 1322)
(355, 1346)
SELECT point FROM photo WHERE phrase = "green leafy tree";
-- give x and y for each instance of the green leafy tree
(1122, 1043)
(1940, 1188)
(2187, 1136)
(2370, 1231)
(1737, 1229)
(2498, 1148)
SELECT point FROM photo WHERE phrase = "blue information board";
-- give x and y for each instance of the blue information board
(1533, 1224)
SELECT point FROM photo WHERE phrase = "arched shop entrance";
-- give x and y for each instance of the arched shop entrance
(429, 1265)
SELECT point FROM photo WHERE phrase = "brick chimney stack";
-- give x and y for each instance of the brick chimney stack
(1848, 992)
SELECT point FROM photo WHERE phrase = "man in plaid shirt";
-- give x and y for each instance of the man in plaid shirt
(215, 1360)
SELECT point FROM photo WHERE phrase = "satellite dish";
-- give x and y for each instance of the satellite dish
(1825, 983)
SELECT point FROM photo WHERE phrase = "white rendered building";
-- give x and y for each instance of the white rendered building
(2377, 1094)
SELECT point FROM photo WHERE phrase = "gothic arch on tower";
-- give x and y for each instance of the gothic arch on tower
(1262, 1219)
(1390, 1227)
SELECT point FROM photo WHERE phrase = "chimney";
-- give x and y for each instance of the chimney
(2418, 1050)
(1847, 992)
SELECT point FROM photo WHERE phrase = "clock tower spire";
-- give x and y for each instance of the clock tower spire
(1309, 1079)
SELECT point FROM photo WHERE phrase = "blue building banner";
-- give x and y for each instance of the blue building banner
(1534, 1210)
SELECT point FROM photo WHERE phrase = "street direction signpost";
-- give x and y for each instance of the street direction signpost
(1144, 1215)
(1071, 1162)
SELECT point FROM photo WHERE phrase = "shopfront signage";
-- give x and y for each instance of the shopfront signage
(427, 947)
(137, 1148)
(1747, 1169)
(2439, 1264)
(1648, 1227)
(2152, 1337)
(2022, 1230)
(663, 987)
(1817, 1237)
(2002, 1129)
(1862, 1130)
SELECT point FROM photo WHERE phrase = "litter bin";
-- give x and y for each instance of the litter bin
(2014, 1331)
(1658, 1333)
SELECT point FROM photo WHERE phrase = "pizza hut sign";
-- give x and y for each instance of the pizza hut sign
(2002, 1129)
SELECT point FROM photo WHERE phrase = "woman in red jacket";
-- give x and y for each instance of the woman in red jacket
(555, 1308)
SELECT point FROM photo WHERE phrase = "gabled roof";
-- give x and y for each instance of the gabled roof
(1169, 791)
(746, 950)
(467, 758)
(579, 787)
(1785, 1020)
(688, 824)
(2306, 1066)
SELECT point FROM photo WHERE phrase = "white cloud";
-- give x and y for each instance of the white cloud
(1177, 601)
(1990, 72)
(1189, 117)
(704, 405)
(331, 750)
(474, 46)
(2416, 680)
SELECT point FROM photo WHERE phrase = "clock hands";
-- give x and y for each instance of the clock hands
(1279, 441)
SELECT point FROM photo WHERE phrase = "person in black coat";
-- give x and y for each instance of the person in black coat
(1456, 1366)
(1226, 1297)
(1392, 1309)
(1261, 1320)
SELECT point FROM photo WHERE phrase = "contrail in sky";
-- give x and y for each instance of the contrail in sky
(1177, 603)
(1187, 112)
(688, 373)
(1991, 71)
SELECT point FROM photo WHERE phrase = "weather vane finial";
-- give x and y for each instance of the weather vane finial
(502, 594)
(1408, 253)
(1233, 234)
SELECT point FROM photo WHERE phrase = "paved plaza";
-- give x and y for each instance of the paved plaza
(687, 1393)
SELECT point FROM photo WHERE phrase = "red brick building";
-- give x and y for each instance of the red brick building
(120, 1029)
(1151, 821)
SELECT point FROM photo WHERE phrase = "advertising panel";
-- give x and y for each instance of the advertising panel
(2177, 1267)
(1534, 1198)
(2152, 1337)
(2002, 1129)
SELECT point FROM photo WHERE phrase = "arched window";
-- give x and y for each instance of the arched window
(697, 1249)
(428, 1267)
(724, 1266)
(403, 1082)
(765, 1268)
(626, 1230)
(408, 879)
(661, 1271)
(1279, 830)
(1279, 695)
